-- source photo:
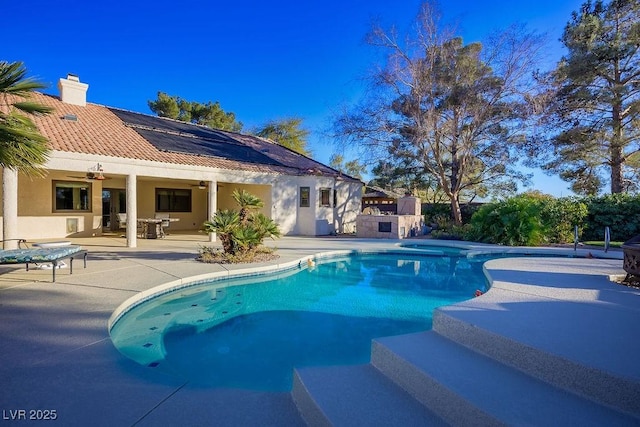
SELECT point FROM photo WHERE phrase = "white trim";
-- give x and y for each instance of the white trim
(79, 162)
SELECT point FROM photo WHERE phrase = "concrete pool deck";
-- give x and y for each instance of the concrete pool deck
(56, 356)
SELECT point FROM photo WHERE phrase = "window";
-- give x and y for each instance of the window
(305, 197)
(72, 196)
(325, 197)
(173, 200)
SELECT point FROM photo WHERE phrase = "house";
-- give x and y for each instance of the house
(106, 162)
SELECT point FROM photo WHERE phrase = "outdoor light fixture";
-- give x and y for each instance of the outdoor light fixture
(202, 185)
(95, 172)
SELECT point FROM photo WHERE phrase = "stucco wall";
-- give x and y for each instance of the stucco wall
(321, 220)
(284, 204)
(36, 219)
(349, 198)
(280, 194)
(226, 201)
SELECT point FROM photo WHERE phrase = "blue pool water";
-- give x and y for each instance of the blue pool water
(250, 333)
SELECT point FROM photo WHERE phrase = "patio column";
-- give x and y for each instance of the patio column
(213, 205)
(132, 211)
(10, 207)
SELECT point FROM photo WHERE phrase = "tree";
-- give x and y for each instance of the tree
(352, 168)
(400, 174)
(450, 111)
(288, 133)
(22, 147)
(595, 108)
(633, 175)
(209, 114)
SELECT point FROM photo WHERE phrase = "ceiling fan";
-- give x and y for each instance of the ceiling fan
(89, 177)
(203, 185)
(94, 173)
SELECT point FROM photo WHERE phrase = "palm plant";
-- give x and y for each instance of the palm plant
(265, 226)
(247, 202)
(224, 223)
(246, 239)
(241, 233)
(22, 147)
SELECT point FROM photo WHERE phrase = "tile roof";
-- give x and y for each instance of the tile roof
(97, 129)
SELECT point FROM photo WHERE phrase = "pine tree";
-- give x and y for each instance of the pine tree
(597, 103)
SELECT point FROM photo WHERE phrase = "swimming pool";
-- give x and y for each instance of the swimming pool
(251, 332)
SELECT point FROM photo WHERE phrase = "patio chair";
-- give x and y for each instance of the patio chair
(122, 220)
(164, 224)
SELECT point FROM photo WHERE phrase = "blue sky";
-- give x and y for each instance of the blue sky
(261, 60)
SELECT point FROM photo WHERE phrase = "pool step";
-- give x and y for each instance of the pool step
(599, 385)
(464, 387)
(356, 395)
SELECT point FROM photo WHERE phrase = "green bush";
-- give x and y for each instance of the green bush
(434, 212)
(534, 218)
(467, 210)
(619, 212)
(560, 216)
(441, 222)
(515, 222)
(452, 232)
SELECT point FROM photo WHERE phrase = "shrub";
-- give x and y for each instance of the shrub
(441, 222)
(434, 212)
(453, 232)
(515, 222)
(560, 216)
(619, 212)
(467, 210)
(529, 219)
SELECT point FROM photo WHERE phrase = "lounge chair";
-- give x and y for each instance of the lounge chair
(53, 255)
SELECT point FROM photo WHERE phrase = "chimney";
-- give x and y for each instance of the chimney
(72, 91)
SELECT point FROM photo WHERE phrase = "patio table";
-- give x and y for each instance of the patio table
(150, 227)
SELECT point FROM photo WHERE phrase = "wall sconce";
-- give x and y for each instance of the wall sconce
(202, 185)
